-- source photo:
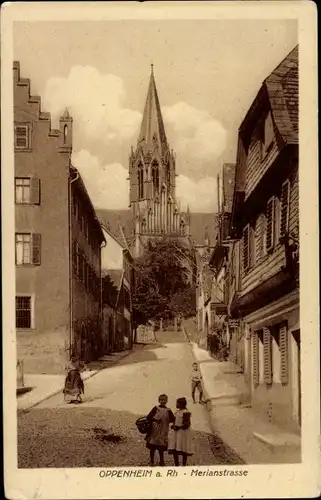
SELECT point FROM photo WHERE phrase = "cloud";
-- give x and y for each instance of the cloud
(199, 195)
(195, 132)
(107, 185)
(95, 101)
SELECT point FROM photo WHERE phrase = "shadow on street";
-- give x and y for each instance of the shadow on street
(95, 437)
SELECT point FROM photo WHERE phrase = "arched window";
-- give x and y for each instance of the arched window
(155, 177)
(140, 177)
(65, 133)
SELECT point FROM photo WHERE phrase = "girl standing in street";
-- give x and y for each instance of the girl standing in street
(180, 439)
(157, 438)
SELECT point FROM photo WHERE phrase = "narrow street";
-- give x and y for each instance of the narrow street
(101, 432)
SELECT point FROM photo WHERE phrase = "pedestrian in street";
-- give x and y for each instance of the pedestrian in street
(159, 418)
(74, 385)
(197, 383)
(180, 439)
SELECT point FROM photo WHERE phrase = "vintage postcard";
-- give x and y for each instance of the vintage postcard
(160, 250)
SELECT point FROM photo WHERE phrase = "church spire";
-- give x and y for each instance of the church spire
(152, 130)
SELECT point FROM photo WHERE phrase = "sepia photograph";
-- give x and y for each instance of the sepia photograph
(156, 196)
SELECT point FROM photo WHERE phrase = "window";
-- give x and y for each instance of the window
(27, 190)
(65, 134)
(155, 177)
(21, 136)
(284, 209)
(246, 248)
(28, 249)
(268, 133)
(23, 249)
(270, 224)
(23, 312)
(140, 175)
(22, 187)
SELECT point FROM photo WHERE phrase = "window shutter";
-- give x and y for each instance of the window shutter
(267, 356)
(36, 249)
(255, 359)
(246, 247)
(34, 191)
(270, 218)
(252, 245)
(284, 354)
(285, 202)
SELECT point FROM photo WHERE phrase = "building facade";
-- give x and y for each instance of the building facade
(117, 276)
(86, 240)
(152, 176)
(46, 297)
(264, 285)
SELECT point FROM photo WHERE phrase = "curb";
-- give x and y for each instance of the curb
(90, 375)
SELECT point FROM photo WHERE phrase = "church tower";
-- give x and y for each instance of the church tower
(152, 176)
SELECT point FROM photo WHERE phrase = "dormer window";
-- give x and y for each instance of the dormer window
(268, 136)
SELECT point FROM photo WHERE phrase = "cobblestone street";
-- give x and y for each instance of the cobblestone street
(101, 431)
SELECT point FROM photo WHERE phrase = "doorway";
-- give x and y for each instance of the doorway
(297, 338)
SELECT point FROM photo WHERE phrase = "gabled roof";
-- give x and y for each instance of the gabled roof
(82, 187)
(280, 92)
(117, 223)
(152, 130)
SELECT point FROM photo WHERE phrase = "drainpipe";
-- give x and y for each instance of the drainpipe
(71, 268)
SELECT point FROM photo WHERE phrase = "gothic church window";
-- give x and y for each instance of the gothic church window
(155, 177)
(140, 175)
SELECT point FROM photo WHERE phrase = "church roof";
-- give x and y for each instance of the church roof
(152, 130)
(199, 223)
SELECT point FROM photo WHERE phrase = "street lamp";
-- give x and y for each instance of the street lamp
(291, 244)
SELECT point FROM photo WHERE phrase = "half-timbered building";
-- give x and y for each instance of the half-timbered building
(264, 269)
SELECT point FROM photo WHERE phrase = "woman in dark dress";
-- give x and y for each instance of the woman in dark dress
(157, 438)
(74, 385)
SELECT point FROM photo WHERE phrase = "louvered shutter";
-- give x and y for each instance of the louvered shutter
(270, 219)
(285, 201)
(36, 249)
(255, 359)
(284, 354)
(267, 356)
(34, 191)
(246, 247)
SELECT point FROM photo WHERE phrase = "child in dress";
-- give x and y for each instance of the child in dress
(157, 438)
(197, 383)
(180, 439)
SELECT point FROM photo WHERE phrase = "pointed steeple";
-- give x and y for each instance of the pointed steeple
(152, 130)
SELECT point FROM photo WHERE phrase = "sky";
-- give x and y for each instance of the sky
(207, 74)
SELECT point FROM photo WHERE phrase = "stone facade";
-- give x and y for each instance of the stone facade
(46, 292)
